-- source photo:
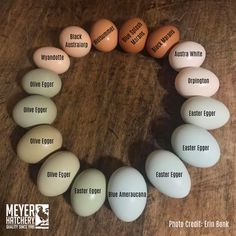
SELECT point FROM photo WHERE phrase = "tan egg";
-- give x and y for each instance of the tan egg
(75, 41)
(160, 41)
(133, 35)
(38, 142)
(57, 173)
(104, 35)
(52, 58)
(34, 110)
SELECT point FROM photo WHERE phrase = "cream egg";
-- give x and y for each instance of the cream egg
(187, 54)
(205, 112)
(52, 58)
(196, 81)
(39, 142)
(75, 41)
(127, 193)
(57, 173)
(104, 35)
(34, 110)
(88, 192)
(168, 174)
(41, 81)
(195, 145)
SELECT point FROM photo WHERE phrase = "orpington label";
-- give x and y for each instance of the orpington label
(27, 216)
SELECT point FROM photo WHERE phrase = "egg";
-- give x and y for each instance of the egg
(104, 35)
(186, 54)
(52, 58)
(38, 142)
(168, 174)
(75, 41)
(132, 35)
(127, 193)
(41, 81)
(34, 110)
(57, 173)
(196, 81)
(205, 112)
(160, 41)
(88, 192)
(195, 145)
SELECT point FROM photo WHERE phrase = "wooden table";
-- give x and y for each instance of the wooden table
(115, 108)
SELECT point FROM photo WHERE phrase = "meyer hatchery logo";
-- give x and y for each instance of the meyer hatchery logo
(27, 216)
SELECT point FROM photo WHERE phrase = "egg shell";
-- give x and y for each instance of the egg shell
(41, 81)
(34, 110)
(160, 41)
(168, 174)
(104, 35)
(186, 54)
(132, 35)
(88, 192)
(75, 41)
(52, 58)
(38, 142)
(122, 183)
(195, 145)
(205, 112)
(57, 173)
(196, 81)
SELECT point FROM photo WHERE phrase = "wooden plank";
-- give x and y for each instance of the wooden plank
(115, 108)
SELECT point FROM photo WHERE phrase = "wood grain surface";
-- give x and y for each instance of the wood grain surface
(115, 108)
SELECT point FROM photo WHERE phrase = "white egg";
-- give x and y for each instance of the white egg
(195, 145)
(205, 112)
(57, 173)
(127, 193)
(196, 81)
(88, 192)
(187, 54)
(41, 81)
(34, 110)
(168, 174)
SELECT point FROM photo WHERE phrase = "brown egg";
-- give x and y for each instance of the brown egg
(160, 41)
(133, 35)
(104, 35)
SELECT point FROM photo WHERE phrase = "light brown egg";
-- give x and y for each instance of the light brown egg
(160, 41)
(75, 41)
(133, 35)
(104, 35)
